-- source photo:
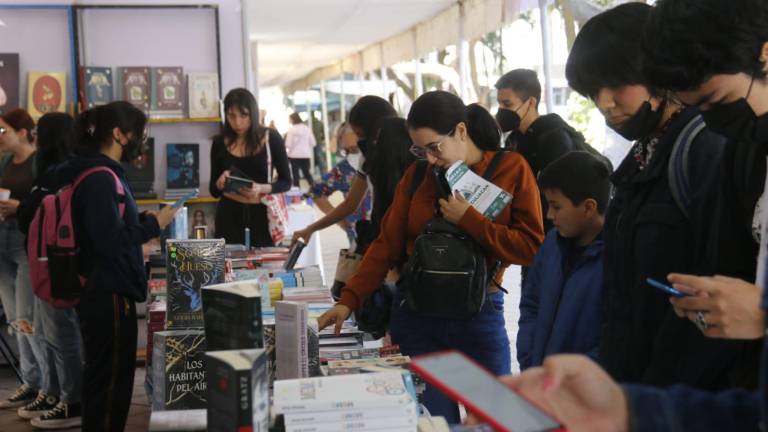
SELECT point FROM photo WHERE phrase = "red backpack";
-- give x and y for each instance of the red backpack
(51, 247)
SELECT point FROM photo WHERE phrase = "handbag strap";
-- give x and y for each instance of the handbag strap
(269, 158)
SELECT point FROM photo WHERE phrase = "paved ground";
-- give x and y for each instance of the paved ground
(332, 240)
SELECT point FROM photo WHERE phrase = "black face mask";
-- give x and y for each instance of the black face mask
(131, 151)
(508, 120)
(642, 124)
(737, 120)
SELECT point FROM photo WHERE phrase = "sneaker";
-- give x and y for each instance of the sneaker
(63, 416)
(38, 407)
(24, 395)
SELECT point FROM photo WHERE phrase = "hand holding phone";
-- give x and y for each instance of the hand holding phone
(666, 288)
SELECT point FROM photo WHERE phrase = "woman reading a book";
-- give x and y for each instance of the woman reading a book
(240, 152)
(444, 132)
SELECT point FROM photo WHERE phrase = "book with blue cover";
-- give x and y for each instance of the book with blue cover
(183, 166)
(97, 83)
(191, 265)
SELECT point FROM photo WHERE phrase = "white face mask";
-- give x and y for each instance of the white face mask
(354, 160)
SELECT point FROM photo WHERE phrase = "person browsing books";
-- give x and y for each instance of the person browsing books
(240, 151)
(562, 295)
(445, 132)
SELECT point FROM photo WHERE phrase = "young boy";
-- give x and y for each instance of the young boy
(561, 297)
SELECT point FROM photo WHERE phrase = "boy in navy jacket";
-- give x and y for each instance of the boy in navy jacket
(560, 308)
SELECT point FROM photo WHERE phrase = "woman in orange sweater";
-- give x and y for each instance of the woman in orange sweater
(445, 131)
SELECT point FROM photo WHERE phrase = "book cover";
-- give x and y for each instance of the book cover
(134, 86)
(233, 316)
(313, 350)
(291, 345)
(183, 166)
(343, 392)
(178, 370)
(238, 390)
(168, 90)
(391, 424)
(269, 348)
(46, 92)
(97, 85)
(485, 197)
(191, 265)
(311, 418)
(9, 82)
(203, 91)
(141, 171)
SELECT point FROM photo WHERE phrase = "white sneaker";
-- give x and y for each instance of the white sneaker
(64, 416)
(24, 395)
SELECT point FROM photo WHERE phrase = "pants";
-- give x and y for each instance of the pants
(483, 338)
(303, 165)
(109, 331)
(18, 302)
(59, 333)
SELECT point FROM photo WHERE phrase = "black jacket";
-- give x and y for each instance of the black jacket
(111, 256)
(647, 235)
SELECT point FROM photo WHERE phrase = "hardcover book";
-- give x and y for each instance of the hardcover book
(9, 82)
(96, 85)
(141, 171)
(46, 92)
(191, 265)
(203, 91)
(134, 86)
(168, 92)
(178, 370)
(233, 316)
(183, 166)
(238, 390)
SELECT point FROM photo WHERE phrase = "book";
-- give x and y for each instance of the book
(269, 348)
(182, 420)
(238, 390)
(291, 346)
(183, 166)
(9, 82)
(141, 171)
(203, 92)
(96, 85)
(191, 265)
(46, 92)
(168, 92)
(403, 423)
(178, 370)
(233, 316)
(339, 393)
(310, 418)
(484, 196)
(134, 86)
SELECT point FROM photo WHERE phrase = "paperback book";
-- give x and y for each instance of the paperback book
(9, 82)
(168, 92)
(183, 166)
(141, 171)
(203, 91)
(233, 316)
(238, 390)
(178, 370)
(297, 342)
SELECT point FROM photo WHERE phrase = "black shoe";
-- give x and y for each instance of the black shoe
(64, 416)
(24, 395)
(38, 407)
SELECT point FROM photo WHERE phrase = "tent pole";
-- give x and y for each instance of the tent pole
(342, 107)
(324, 107)
(310, 122)
(461, 52)
(546, 46)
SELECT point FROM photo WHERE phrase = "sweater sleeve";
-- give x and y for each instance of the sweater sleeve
(279, 162)
(217, 165)
(385, 252)
(518, 242)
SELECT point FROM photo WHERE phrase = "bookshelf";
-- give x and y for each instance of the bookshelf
(184, 120)
(201, 200)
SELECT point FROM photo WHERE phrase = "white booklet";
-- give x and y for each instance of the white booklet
(485, 197)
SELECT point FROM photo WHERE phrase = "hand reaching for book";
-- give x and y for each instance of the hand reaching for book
(335, 315)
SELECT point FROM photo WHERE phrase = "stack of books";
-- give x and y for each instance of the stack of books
(155, 323)
(232, 316)
(238, 391)
(364, 402)
(315, 295)
(296, 341)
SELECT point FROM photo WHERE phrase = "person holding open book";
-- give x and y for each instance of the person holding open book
(447, 133)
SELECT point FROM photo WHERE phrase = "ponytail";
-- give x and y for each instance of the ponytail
(94, 126)
(442, 111)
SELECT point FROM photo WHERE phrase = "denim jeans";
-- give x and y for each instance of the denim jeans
(59, 333)
(483, 338)
(18, 302)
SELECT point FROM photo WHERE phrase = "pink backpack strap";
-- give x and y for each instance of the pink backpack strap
(118, 184)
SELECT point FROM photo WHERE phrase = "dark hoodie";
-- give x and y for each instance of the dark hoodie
(111, 256)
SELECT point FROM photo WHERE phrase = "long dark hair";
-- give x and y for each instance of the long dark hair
(94, 126)
(391, 156)
(367, 112)
(55, 140)
(243, 100)
(442, 111)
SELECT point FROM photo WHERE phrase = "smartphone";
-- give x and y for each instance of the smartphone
(186, 197)
(464, 381)
(666, 288)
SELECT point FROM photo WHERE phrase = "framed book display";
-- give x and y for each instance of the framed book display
(9, 82)
(46, 92)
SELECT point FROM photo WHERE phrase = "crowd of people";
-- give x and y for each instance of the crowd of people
(684, 80)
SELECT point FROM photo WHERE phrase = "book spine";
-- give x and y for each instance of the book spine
(304, 338)
(158, 373)
(310, 418)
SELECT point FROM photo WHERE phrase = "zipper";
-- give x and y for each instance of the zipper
(442, 272)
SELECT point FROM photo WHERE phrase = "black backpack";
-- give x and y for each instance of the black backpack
(446, 276)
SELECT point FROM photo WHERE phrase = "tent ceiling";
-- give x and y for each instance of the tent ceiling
(295, 37)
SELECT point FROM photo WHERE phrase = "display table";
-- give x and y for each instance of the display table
(299, 216)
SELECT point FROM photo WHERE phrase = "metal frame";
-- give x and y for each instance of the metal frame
(78, 29)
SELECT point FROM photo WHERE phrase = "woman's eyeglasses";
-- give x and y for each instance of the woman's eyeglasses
(435, 148)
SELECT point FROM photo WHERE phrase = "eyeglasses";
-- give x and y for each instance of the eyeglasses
(3, 130)
(435, 148)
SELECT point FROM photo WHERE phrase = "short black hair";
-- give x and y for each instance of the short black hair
(579, 176)
(367, 112)
(608, 51)
(688, 41)
(524, 82)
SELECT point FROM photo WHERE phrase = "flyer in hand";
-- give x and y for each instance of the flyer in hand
(485, 197)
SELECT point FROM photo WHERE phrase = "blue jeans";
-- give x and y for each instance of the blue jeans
(59, 334)
(483, 338)
(18, 302)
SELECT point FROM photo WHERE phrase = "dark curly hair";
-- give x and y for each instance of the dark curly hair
(687, 41)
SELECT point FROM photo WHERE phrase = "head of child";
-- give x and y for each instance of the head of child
(577, 188)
